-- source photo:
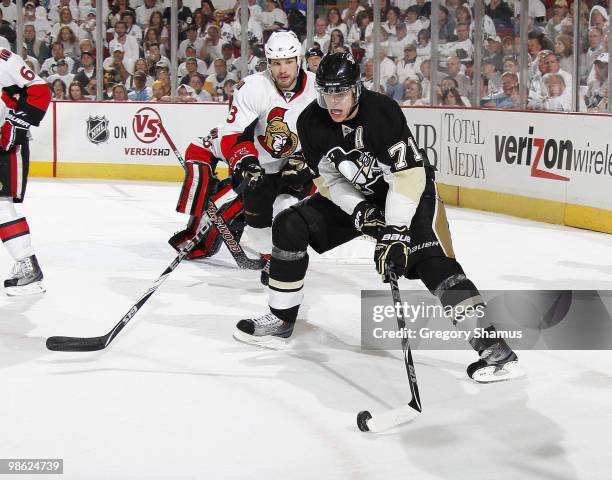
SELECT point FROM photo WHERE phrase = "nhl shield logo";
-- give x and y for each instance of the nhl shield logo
(97, 129)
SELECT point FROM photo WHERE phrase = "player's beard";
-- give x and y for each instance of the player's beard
(286, 84)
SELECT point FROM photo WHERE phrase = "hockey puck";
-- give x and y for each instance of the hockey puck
(362, 420)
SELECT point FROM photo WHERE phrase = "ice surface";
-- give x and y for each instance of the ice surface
(175, 397)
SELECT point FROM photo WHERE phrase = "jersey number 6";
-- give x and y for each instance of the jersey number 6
(399, 149)
(27, 74)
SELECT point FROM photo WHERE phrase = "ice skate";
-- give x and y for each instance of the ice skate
(26, 278)
(267, 331)
(497, 363)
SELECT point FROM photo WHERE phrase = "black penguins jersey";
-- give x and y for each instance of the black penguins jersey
(372, 157)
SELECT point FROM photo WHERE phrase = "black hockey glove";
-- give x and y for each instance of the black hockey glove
(14, 131)
(392, 247)
(368, 219)
(295, 174)
(250, 170)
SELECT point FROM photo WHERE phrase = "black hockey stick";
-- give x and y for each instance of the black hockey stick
(396, 416)
(90, 344)
(230, 241)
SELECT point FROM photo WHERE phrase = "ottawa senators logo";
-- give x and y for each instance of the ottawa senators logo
(278, 140)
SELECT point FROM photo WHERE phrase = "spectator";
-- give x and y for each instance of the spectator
(123, 65)
(192, 40)
(152, 37)
(490, 72)
(35, 47)
(500, 13)
(118, 10)
(228, 90)
(413, 93)
(57, 53)
(453, 69)
(62, 73)
(409, 67)
(58, 90)
(463, 43)
(313, 58)
(154, 57)
(598, 17)
(596, 47)
(321, 35)
(511, 64)
(227, 54)
(252, 62)
(557, 99)
(40, 24)
(196, 83)
(554, 24)
(144, 11)
(413, 24)
(394, 89)
(91, 90)
(216, 80)
(399, 42)
(55, 12)
(89, 25)
(449, 82)
(186, 94)
(7, 31)
(349, 14)
(30, 61)
(368, 74)
(361, 31)
(156, 22)
(158, 92)
(334, 21)
(120, 93)
(393, 18)
(274, 17)
(184, 15)
(76, 92)
(336, 39)
(132, 28)
(387, 67)
(494, 52)
(9, 11)
(254, 30)
(66, 20)
(596, 97)
(535, 44)
(140, 92)
(211, 48)
(508, 45)
(451, 98)
(446, 26)
(425, 78)
(563, 49)
(87, 70)
(191, 66)
(508, 97)
(423, 45)
(69, 42)
(129, 43)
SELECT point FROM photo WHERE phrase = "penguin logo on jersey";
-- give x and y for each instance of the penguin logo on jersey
(278, 140)
(97, 129)
(359, 168)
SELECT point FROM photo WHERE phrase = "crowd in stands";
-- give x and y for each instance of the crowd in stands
(59, 43)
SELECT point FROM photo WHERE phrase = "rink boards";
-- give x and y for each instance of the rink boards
(549, 167)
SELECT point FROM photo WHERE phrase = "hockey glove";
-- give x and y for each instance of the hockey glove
(368, 219)
(295, 174)
(392, 247)
(14, 131)
(250, 170)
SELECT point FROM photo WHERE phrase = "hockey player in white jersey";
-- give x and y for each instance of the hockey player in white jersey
(25, 98)
(260, 141)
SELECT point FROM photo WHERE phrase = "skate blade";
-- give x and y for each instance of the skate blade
(492, 374)
(30, 289)
(267, 341)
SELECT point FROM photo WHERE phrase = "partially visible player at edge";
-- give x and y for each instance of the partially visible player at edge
(373, 181)
(25, 98)
(260, 141)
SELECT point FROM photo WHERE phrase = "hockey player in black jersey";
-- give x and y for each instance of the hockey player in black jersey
(374, 181)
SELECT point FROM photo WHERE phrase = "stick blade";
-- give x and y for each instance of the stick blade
(76, 344)
(392, 418)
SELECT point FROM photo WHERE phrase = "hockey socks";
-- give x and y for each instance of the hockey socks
(14, 231)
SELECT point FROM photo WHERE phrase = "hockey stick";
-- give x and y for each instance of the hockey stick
(365, 421)
(90, 344)
(230, 241)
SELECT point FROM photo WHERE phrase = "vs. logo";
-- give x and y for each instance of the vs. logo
(147, 125)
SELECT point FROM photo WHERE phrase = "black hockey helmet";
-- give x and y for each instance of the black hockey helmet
(338, 73)
(313, 52)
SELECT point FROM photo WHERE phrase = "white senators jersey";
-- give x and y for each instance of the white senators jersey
(262, 120)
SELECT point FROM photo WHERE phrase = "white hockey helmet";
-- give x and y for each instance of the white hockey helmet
(283, 45)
